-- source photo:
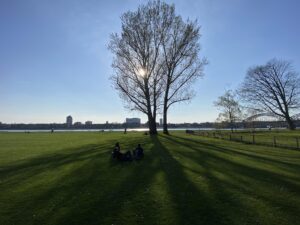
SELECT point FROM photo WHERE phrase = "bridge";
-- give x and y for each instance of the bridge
(266, 116)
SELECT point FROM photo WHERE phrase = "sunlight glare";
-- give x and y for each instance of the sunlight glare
(142, 72)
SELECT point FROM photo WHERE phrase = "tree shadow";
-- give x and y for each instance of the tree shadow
(81, 186)
(261, 157)
(192, 205)
(246, 187)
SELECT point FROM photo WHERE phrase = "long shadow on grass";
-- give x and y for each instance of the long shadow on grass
(84, 187)
(193, 206)
(247, 193)
(220, 156)
(88, 188)
(257, 157)
(112, 193)
(25, 169)
(55, 160)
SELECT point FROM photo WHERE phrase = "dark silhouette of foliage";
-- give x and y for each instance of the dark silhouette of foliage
(156, 60)
(273, 87)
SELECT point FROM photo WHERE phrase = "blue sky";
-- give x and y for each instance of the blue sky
(54, 59)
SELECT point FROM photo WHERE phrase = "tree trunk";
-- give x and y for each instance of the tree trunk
(152, 125)
(165, 112)
(231, 126)
(290, 123)
(151, 118)
(165, 121)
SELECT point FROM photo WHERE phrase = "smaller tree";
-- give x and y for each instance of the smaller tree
(181, 62)
(230, 108)
(273, 88)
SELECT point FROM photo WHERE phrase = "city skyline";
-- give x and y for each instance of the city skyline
(54, 59)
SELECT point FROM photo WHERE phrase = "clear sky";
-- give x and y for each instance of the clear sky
(54, 59)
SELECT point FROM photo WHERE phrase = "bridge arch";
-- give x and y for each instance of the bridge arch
(261, 115)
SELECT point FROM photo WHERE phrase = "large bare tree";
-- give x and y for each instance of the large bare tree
(137, 64)
(181, 62)
(156, 60)
(273, 87)
(230, 108)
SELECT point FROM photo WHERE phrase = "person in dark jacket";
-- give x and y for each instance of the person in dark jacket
(116, 153)
(138, 153)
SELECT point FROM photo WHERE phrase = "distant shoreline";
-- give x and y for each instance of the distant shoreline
(122, 130)
(98, 130)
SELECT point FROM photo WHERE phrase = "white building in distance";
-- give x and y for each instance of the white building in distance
(88, 122)
(69, 121)
(133, 121)
(160, 121)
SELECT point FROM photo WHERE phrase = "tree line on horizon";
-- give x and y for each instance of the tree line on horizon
(157, 61)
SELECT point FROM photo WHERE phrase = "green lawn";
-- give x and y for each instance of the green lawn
(69, 178)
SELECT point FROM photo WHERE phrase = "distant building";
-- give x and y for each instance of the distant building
(69, 121)
(77, 124)
(133, 122)
(160, 121)
(88, 122)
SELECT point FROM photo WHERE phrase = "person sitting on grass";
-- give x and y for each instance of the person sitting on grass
(138, 153)
(116, 154)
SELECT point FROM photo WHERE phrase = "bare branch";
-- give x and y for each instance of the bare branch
(274, 88)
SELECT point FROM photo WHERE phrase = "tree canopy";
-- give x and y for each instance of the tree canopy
(156, 59)
(273, 87)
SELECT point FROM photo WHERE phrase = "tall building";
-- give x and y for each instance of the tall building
(69, 121)
(160, 121)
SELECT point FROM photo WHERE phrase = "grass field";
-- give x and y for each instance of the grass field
(69, 178)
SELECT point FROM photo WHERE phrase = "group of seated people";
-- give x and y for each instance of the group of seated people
(136, 154)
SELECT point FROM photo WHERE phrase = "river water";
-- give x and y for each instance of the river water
(103, 130)
(122, 130)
